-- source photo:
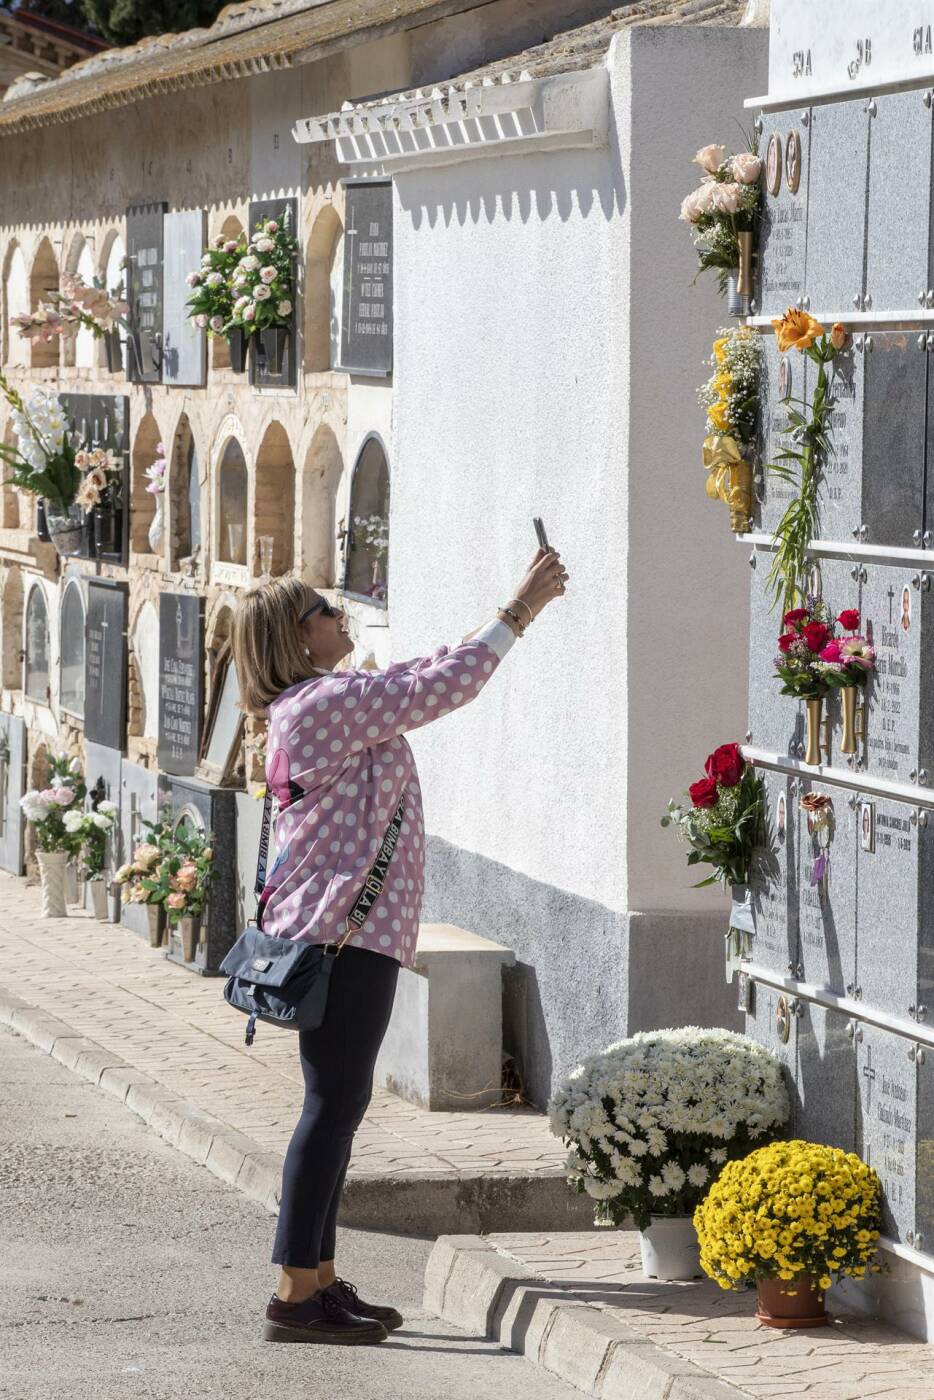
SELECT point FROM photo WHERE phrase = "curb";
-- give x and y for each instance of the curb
(427, 1205)
(469, 1283)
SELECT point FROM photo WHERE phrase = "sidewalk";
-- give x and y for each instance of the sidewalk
(99, 999)
(579, 1306)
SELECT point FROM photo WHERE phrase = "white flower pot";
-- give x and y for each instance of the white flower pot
(98, 889)
(52, 883)
(155, 528)
(669, 1248)
(72, 884)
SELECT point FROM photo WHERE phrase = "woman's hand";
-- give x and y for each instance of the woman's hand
(545, 580)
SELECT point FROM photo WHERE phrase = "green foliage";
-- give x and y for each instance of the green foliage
(723, 835)
(123, 22)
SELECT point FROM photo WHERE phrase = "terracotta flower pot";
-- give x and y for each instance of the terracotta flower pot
(156, 916)
(795, 1302)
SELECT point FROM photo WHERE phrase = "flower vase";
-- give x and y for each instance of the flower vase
(852, 728)
(108, 529)
(793, 1303)
(155, 528)
(73, 884)
(52, 866)
(155, 914)
(66, 527)
(190, 928)
(814, 709)
(744, 280)
(112, 351)
(238, 346)
(98, 888)
(274, 340)
(669, 1248)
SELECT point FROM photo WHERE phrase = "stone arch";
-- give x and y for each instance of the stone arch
(232, 498)
(112, 273)
(183, 495)
(324, 467)
(9, 496)
(80, 350)
(71, 634)
(217, 632)
(274, 499)
(43, 280)
(220, 355)
(11, 613)
(37, 646)
(366, 565)
(144, 647)
(15, 303)
(322, 290)
(142, 502)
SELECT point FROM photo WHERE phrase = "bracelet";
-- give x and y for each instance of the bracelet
(508, 612)
(523, 604)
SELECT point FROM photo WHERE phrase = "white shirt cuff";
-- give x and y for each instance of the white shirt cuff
(497, 635)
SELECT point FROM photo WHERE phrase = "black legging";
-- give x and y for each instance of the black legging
(337, 1062)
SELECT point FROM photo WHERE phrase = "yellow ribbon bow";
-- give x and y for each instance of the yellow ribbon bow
(729, 478)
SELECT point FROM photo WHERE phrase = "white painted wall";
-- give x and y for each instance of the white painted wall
(548, 345)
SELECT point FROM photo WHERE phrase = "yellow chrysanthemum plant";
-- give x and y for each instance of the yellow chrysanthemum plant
(731, 398)
(650, 1121)
(788, 1211)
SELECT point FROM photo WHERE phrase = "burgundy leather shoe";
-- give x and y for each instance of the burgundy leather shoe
(321, 1318)
(347, 1296)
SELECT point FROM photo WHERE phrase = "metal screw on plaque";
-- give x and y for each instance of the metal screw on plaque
(806, 118)
(857, 300)
(916, 580)
(919, 1237)
(849, 989)
(927, 537)
(752, 560)
(916, 537)
(926, 582)
(758, 123)
(869, 340)
(854, 573)
(910, 1234)
(930, 345)
(922, 298)
(922, 817)
(851, 802)
(807, 303)
(922, 776)
(855, 531)
(871, 107)
(926, 99)
(748, 738)
(867, 302)
(913, 774)
(930, 296)
(858, 342)
(799, 303)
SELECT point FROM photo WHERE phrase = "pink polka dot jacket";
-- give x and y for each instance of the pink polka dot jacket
(337, 764)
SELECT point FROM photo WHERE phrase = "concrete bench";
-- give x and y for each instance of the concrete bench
(443, 1047)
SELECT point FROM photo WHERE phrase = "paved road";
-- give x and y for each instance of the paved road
(131, 1273)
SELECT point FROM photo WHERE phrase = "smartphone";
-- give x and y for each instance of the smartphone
(540, 533)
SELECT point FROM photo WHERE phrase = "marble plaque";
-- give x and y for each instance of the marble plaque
(783, 227)
(184, 358)
(785, 383)
(893, 437)
(105, 675)
(12, 787)
(893, 862)
(898, 231)
(840, 496)
(773, 877)
(181, 681)
(887, 1123)
(897, 618)
(762, 1024)
(836, 224)
(924, 1171)
(212, 809)
(827, 906)
(825, 1110)
(145, 291)
(137, 804)
(776, 722)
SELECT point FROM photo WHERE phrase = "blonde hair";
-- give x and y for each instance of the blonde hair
(266, 639)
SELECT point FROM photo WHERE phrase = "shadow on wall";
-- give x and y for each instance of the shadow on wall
(554, 185)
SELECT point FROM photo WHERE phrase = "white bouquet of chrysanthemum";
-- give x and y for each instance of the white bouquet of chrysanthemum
(651, 1120)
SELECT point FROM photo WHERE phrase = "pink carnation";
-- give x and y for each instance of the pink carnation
(831, 653)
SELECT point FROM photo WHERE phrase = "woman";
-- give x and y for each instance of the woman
(343, 774)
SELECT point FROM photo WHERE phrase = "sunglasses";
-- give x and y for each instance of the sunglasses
(320, 606)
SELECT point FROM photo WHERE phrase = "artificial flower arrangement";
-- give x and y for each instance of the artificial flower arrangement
(798, 1212)
(262, 282)
(76, 306)
(723, 214)
(210, 305)
(102, 478)
(155, 473)
(140, 878)
(814, 657)
(731, 398)
(801, 462)
(187, 872)
(42, 460)
(651, 1120)
(51, 810)
(720, 825)
(92, 829)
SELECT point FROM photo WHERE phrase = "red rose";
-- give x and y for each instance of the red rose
(725, 765)
(786, 639)
(704, 793)
(849, 619)
(817, 635)
(794, 615)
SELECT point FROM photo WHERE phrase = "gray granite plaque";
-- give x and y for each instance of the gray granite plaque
(773, 877)
(893, 861)
(762, 1024)
(184, 360)
(836, 223)
(893, 437)
(827, 905)
(825, 1110)
(899, 218)
(784, 385)
(783, 230)
(887, 1086)
(776, 722)
(840, 496)
(924, 1177)
(897, 618)
(12, 787)
(137, 804)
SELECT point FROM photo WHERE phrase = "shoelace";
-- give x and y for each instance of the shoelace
(346, 1287)
(331, 1305)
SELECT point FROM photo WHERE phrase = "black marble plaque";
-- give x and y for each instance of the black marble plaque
(366, 320)
(105, 674)
(110, 428)
(181, 681)
(144, 291)
(286, 211)
(212, 809)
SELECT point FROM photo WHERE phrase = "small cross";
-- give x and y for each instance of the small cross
(890, 595)
(869, 1075)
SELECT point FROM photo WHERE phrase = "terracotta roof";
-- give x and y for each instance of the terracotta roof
(262, 35)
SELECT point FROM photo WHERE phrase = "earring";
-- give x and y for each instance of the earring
(307, 651)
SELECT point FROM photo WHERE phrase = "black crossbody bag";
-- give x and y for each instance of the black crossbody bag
(285, 982)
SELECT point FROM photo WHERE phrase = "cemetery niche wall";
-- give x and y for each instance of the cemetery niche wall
(841, 961)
